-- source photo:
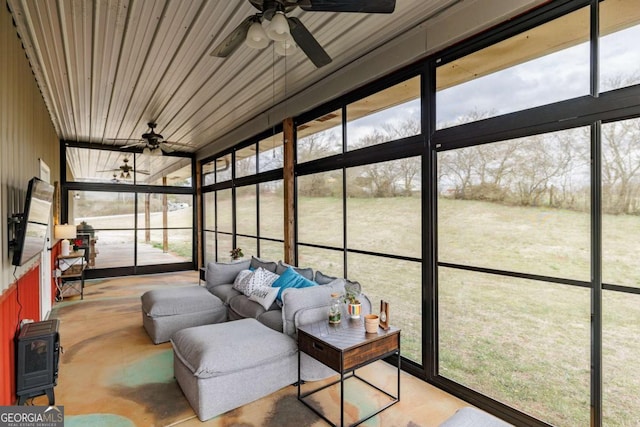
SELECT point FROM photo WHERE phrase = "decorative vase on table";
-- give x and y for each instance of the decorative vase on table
(354, 309)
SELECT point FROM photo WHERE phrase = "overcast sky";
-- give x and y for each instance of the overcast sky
(557, 76)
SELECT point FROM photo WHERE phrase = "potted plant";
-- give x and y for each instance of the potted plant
(236, 254)
(354, 307)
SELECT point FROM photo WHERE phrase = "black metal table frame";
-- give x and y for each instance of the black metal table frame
(345, 375)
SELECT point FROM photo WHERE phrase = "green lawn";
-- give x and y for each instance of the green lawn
(523, 342)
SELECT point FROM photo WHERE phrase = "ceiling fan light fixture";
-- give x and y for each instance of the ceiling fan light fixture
(156, 152)
(278, 29)
(285, 47)
(146, 151)
(256, 36)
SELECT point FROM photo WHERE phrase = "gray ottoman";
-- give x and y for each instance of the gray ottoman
(166, 311)
(224, 366)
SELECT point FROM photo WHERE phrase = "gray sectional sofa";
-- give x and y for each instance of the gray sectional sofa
(216, 363)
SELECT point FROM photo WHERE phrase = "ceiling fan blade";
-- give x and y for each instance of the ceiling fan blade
(166, 147)
(135, 144)
(363, 6)
(233, 40)
(308, 43)
(110, 170)
(143, 172)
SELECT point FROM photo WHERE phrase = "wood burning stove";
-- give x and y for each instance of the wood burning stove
(37, 355)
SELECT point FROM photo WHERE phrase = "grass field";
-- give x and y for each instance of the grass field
(523, 342)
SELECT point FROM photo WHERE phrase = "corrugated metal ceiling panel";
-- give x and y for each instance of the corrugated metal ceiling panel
(107, 67)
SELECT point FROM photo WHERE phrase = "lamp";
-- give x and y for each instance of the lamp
(285, 47)
(65, 232)
(278, 29)
(256, 36)
(146, 151)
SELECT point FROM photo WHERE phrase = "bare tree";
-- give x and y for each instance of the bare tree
(620, 165)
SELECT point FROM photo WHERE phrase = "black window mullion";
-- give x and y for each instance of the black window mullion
(596, 276)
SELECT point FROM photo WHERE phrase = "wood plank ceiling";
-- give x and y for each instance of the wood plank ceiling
(108, 67)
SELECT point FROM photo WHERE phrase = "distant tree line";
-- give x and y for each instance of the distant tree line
(551, 170)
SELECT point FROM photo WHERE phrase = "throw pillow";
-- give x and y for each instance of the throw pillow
(263, 295)
(260, 278)
(267, 265)
(291, 279)
(242, 279)
(323, 279)
(307, 273)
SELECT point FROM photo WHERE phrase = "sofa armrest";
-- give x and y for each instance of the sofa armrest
(295, 300)
(219, 273)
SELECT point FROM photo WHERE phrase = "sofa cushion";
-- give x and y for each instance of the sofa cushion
(241, 280)
(307, 273)
(294, 300)
(225, 292)
(214, 350)
(472, 417)
(219, 273)
(267, 265)
(272, 319)
(243, 307)
(322, 279)
(264, 295)
(247, 282)
(291, 279)
(181, 300)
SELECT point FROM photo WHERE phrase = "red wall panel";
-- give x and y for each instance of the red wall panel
(20, 301)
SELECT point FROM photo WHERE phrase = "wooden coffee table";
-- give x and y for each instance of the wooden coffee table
(344, 348)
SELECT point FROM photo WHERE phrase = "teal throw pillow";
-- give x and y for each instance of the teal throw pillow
(291, 279)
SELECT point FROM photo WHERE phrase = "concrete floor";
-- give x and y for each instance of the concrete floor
(112, 375)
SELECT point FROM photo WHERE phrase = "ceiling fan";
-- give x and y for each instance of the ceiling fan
(272, 23)
(154, 143)
(125, 170)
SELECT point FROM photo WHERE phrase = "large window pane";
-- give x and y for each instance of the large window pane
(249, 246)
(209, 247)
(209, 207)
(114, 248)
(223, 168)
(520, 205)
(225, 244)
(320, 138)
(522, 342)
(224, 211)
(271, 250)
(384, 207)
(164, 246)
(246, 161)
(320, 209)
(400, 284)
(620, 349)
(271, 208)
(329, 262)
(163, 170)
(209, 224)
(165, 228)
(619, 50)
(390, 114)
(546, 64)
(246, 215)
(271, 154)
(621, 202)
(111, 218)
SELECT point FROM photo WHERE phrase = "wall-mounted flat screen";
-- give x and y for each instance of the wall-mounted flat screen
(31, 233)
